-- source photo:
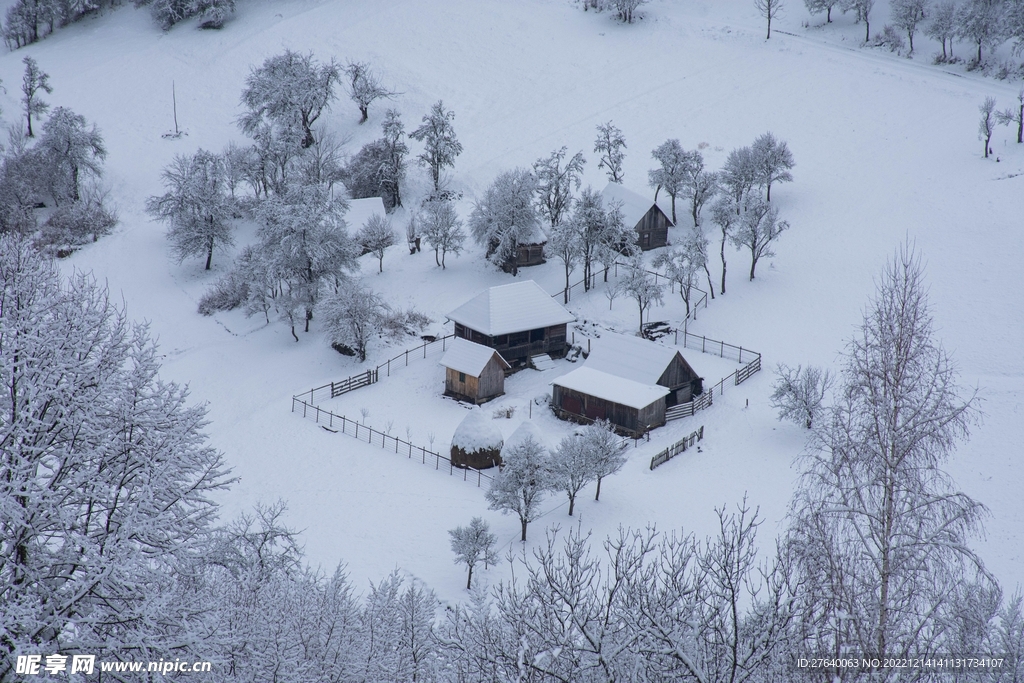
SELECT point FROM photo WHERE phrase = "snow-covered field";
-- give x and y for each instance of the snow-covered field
(885, 148)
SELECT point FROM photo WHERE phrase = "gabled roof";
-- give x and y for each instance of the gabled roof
(516, 307)
(469, 357)
(633, 206)
(611, 387)
(360, 210)
(630, 357)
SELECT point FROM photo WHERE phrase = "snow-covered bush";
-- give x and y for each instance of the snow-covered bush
(73, 225)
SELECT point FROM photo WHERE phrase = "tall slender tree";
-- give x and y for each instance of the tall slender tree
(34, 80)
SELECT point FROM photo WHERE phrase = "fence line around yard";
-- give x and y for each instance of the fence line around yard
(677, 448)
(339, 423)
(368, 377)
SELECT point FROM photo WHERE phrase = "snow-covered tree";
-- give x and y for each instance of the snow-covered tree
(72, 153)
(701, 185)
(863, 9)
(565, 244)
(440, 144)
(739, 175)
(943, 25)
(1014, 116)
(723, 214)
(610, 145)
(757, 230)
(673, 174)
(441, 227)
(605, 450)
(196, 205)
(799, 393)
(570, 468)
(107, 479)
(906, 15)
(392, 171)
(555, 183)
(376, 236)
(589, 226)
(73, 225)
(521, 482)
(304, 242)
(987, 124)
(625, 8)
(321, 164)
(769, 9)
(983, 22)
(34, 80)
(818, 6)
(639, 285)
(772, 161)
(879, 534)
(472, 545)
(288, 92)
(365, 87)
(352, 316)
(506, 217)
(682, 266)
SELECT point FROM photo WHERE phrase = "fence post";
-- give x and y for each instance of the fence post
(721, 353)
(443, 341)
(741, 354)
(310, 397)
(318, 414)
(407, 358)
(389, 367)
(703, 343)
(357, 430)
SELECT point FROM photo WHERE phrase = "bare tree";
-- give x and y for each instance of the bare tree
(442, 229)
(34, 80)
(555, 183)
(682, 266)
(376, 236)
(879, 532)
(772, 162)
(365, 87)
(626, 8)
(1010, 117)
(769, 9)
(723, 214)
(609, 144)
(521, 482)
(758, 228)
(472, 545)
(640, 286)
(440, 144)
(799, 393)
(815, 6)
(570, 468)
(987, 124)
(605, 449)
(353, 316)
(673, 174)
(863, 9)
(565, 244)
(943, 25)
(906, 15)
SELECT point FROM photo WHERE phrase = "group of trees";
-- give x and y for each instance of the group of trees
(990, 116)
(984, 24)
(625, 10)
(528, 470)
(55, 175)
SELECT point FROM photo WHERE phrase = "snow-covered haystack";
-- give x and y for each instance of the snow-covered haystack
(477, 442)
(522, 433)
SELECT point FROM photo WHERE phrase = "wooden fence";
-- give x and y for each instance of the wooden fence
(339, 423)
(677, 448)
(368, 377)
(681, 410)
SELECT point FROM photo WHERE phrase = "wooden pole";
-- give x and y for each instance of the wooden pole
(174, 103)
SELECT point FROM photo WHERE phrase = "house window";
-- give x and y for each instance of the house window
(501, 340)
(518, 338)
(537, 335)
(462, 377)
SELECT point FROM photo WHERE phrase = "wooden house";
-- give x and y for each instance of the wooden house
(531, 251)
(518, 320)
(642, 214)
(646, 362)
(595, 395)
(473, 373)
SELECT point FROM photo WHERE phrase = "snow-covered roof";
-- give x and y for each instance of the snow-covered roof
(469, 357)
(634, 206)
(524, 431)
(360, 210)
(631, 357)
(477, 432)
(536, 236)
(515, 307)
(611, 387)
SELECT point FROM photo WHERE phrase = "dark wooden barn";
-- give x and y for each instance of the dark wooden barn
(517, 320)
(646, 362)
(642, 214)
(595, 395)
(473, 373)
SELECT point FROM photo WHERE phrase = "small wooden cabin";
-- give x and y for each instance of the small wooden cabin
(518, 320)
(642, 214)
(595, 395)
(473, 373)
(646, 362)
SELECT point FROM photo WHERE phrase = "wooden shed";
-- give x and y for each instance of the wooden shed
(647, 362)
(473, 373)
(519, 320)
(642, 214)
(596, 395)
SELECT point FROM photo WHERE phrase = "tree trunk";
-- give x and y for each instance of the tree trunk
(523, 522)
(722, 290)
(436, 259)
(867, 29)
(1020, 124)
(209, 252)
(598, 496)
(443, 253)
(469, 581)
(769, 36)
(572, 503)
(380, 260)
(29, 117)
(565, 294)
(753, 264)
(293, 332)
(673, 209)
(979, 52)
(910, 35)
(710, 286)
(987, 139)
(828, 15)
(769, 191)
(363, 110)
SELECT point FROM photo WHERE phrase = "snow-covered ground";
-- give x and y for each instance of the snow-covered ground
(885, 147)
